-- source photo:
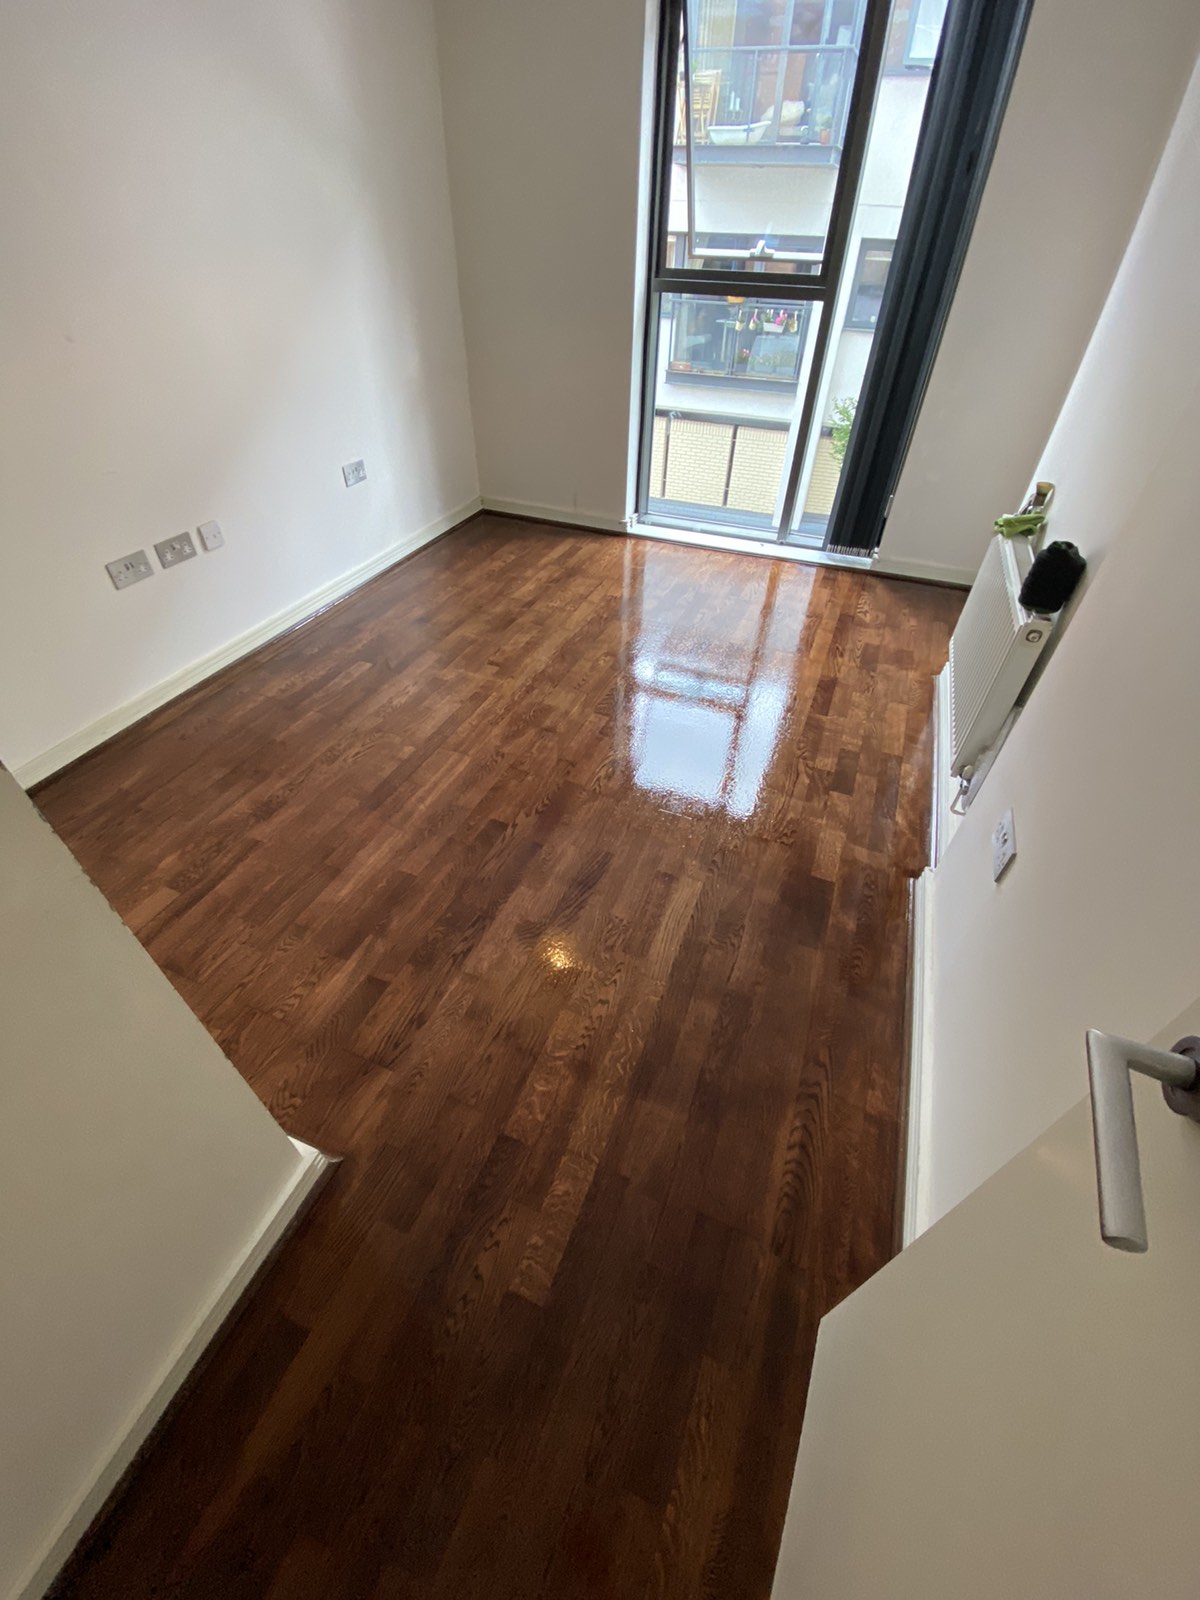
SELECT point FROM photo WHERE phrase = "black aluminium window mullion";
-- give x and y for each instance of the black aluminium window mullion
(685, 56)
(666, 81)
(761, 285)
(862, 100)
(967, 98)
(649, 381)
(666, 77)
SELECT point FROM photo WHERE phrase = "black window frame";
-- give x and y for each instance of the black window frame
(815, 288)
(673, 59)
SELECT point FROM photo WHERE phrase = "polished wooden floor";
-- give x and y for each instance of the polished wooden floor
(559, 882)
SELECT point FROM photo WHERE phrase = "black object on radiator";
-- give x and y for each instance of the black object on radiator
(1053, 577)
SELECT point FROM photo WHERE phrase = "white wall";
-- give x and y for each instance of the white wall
(136, 1167)
(1094, 924)
(543, 113)
(229, 268)
(1095, 93)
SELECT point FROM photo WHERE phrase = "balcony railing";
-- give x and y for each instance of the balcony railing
(757, 97)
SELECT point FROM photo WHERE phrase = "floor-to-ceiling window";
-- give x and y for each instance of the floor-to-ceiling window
(788, 130)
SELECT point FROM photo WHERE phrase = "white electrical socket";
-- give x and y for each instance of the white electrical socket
(354, 472)
(211, 536)
(1004, 845)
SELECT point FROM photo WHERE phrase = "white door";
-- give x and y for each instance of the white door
(1011, 1408)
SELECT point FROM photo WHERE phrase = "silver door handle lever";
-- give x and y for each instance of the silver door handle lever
(1118, 1169)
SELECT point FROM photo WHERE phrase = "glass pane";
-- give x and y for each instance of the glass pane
(924, 32)
(891, 146)
(731, 375)
(763, 128)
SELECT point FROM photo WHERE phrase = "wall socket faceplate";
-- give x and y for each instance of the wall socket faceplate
(171, 552)
(129, 569)
(211, 536)
(1004, 846)
(354, 472)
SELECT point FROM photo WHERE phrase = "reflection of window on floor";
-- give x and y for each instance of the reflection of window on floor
(749, 339)
(870, 280)
(705, 717)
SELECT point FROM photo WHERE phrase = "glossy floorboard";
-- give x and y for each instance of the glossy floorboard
(559, 882)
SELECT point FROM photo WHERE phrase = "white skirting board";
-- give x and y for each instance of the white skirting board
(920, 1045)
(163, 1388)
(78, 744)
(599, 520)
(925, 571)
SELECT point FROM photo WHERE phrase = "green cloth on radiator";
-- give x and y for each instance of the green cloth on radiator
(1020, 522)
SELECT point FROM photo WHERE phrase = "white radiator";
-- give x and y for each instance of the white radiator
(992, 652)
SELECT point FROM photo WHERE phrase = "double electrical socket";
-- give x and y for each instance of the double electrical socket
(354, 472)
(171, 552)
(129, 569)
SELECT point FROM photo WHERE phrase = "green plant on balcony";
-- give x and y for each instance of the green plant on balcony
(841, 421)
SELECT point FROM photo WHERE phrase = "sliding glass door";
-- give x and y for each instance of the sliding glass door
(787, 132)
